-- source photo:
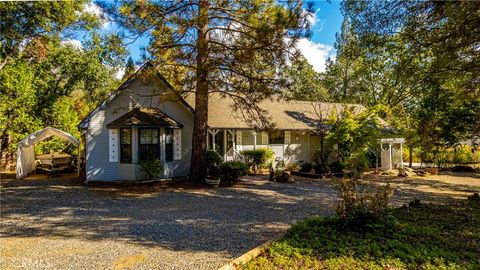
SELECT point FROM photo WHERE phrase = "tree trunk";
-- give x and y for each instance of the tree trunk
(198, 165)
(5, 142)
(322, 148)
(410, 156)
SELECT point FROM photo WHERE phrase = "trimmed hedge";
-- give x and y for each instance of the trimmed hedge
(261, 157)
(232, 171)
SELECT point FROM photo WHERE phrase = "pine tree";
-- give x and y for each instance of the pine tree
(234, 47)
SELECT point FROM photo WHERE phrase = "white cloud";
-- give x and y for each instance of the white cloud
(93, 8)
(315, 53)
(119, 74)
(312, 17)
(77, 44)
(121, 71)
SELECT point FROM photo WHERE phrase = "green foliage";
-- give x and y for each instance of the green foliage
(39, 21)
(232, 171)
(357, 163)
(213, 162)
(306, 167)
(261, 157)
(410, 57)
(362, 205)
(321, 167)
(152, 167)
(462, 155)
(306, 83)
(57, 88)
(18, 91)
(355, 135)
(428, 236)
(63, 116)
(129, 68)
(292, 166)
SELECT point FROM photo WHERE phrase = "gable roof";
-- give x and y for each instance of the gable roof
(284, 114)
(144, 117)
(85, 121)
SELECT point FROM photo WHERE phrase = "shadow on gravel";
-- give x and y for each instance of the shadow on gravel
(229, 220)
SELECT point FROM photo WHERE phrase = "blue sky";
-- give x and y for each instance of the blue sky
(326, 22)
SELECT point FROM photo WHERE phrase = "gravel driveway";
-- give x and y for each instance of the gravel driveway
(63, 224)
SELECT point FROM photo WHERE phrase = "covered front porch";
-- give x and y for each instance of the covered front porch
(290, 145)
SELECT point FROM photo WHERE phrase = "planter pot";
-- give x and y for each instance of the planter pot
(212, 182)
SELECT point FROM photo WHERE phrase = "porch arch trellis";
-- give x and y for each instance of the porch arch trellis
(391, 155)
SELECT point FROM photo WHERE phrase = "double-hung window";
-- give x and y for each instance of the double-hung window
(148, 147)
(168, 144)
(126, 145)
(276, 137)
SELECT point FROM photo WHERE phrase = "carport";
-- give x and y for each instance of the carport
(26, 148)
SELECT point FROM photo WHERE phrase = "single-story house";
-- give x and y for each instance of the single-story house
(146, 116)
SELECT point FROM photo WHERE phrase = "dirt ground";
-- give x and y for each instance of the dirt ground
(431, 188)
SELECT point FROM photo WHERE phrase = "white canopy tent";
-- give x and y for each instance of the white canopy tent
(26, 148)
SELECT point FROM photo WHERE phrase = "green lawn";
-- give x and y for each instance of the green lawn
(426, 236)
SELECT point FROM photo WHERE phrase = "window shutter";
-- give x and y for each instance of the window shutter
(264, 137)
(177, 144)
(239, 138)
(113, 145)
(287, 137)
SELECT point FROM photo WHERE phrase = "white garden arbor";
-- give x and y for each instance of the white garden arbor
(391, 154)
(26, 148)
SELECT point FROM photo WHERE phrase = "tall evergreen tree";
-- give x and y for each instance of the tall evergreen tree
(129, 68)
(234, 47)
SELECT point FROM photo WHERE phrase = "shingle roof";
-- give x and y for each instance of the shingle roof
(283, 114)
(144, 117)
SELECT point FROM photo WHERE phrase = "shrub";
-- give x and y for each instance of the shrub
(362, 204)
(336, 166)
(232, 171)
(321, 168)
(462, 155)
(357, 164)
(152, 168)
(213, 162)
(462, 168)
(281, 177)
(306, 167)
(292, 166)
(258, 157)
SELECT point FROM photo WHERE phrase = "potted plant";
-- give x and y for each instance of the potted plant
(213, 162)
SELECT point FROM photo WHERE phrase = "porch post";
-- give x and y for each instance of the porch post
(391, 155)
(254, 139)
(213, 140)
(401, 155)
(225, 144)
(309, 150)
(208, 140)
